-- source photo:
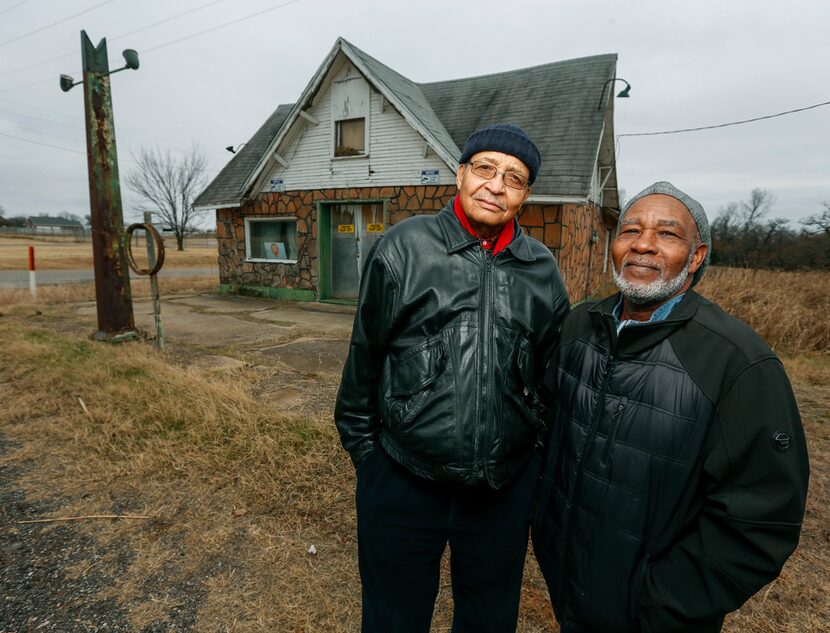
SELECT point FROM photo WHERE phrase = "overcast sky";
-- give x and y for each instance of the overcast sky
(212, 77)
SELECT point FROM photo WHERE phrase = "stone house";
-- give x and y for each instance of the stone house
(300, 204)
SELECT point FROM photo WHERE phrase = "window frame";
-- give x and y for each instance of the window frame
(336, 128)
(249, 221)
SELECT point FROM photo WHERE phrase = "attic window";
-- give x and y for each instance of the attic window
(350, 137)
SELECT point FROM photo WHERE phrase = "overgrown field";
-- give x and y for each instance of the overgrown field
(242, 479)
(791, 311)
(65, 255)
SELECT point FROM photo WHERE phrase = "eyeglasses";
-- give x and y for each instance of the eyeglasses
(512, 179)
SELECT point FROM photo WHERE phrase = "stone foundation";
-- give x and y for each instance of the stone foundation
(565, 229)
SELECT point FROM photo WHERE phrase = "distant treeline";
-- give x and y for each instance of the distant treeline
(744, 236)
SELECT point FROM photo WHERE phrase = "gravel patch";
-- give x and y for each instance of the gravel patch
(53, 575)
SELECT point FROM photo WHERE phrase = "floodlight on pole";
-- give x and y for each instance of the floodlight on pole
(130, 57)
(622, 94)
(113, 296)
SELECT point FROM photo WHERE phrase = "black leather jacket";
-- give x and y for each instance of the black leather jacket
(448, 346)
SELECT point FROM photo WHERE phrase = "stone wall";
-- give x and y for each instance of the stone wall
(401, 203)
(580, 257)
(566, 229)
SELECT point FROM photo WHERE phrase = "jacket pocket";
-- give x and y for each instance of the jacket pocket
(528, 395)
(411, 375)
(613, 425)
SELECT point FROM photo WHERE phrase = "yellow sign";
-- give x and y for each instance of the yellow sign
(345, 228)
(375, 228)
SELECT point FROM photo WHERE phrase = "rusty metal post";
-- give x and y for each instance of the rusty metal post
(154, 284)
(112, 277)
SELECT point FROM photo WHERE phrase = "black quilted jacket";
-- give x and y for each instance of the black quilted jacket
(676, 475)
(448, 347)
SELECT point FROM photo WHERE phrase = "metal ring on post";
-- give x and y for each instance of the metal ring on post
(149, 228)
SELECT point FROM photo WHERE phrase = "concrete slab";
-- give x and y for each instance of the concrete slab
(217, 321)
(224, 303)
(311, 355)
(215, 363)
(328, 323)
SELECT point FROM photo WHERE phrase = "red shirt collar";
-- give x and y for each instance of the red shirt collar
(494, 247)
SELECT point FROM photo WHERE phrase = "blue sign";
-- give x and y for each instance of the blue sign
(429, 176)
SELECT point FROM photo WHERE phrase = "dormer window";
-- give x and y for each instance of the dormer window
(350, 101)
(350, 137)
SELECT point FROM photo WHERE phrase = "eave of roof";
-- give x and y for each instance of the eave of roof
(555, 103)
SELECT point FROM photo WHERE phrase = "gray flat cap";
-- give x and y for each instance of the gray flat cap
(694, 207)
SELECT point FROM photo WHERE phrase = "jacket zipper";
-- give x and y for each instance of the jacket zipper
(612, 431)
(592, 431)
(485, 318)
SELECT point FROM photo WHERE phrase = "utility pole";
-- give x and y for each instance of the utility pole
(112, 276)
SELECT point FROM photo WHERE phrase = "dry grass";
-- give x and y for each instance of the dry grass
(63, 255)
(20, 299)
(788, 309)
(242, 484)
(231, 478)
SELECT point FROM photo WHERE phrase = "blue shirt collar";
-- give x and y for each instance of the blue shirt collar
(660, 314)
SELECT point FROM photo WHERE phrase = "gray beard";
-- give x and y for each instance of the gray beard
(657, 291)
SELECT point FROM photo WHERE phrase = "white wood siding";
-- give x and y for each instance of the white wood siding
(396, 150)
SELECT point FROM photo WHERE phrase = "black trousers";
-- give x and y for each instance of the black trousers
(404, 522)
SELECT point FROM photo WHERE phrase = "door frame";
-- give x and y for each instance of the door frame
(324, 242)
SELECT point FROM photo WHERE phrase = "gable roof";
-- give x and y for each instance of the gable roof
(410, 100)
(226, 188)
(45, 220)
(555, 103)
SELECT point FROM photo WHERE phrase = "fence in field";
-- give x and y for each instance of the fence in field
(196, 240)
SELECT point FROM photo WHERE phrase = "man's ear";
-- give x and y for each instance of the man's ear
(459, 176)
(699, 257)
(526, 196)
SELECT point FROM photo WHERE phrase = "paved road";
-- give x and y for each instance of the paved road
(20, 278)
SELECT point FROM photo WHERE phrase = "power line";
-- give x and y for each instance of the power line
(221, 26)
(176, 41)
(170, 19)
(123, 132)
(65, 149)
(34, 83)
(28, 140)
(13, 7)
(49, 26)
(128, 33)
(712, 127)
(29, 106)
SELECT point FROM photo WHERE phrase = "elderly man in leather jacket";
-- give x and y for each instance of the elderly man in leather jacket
(677, 473)
(438, 407)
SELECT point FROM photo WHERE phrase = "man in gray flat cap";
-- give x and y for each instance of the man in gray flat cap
(676, 472)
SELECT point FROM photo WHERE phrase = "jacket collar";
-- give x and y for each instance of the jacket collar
(457, 238)
(635, 339)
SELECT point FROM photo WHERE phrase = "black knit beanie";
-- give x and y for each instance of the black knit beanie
(506, 138)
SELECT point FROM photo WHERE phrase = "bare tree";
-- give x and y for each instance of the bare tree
(742, 234)
(171, 183)
(2, 211)
(71, 216)
(816, 223)
(756, 208)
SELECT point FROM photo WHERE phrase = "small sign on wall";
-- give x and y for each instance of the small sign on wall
(375, 228)
(429, 176)
(345, 228)
(277, 184)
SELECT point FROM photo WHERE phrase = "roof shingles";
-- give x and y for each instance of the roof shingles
(555, 103)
